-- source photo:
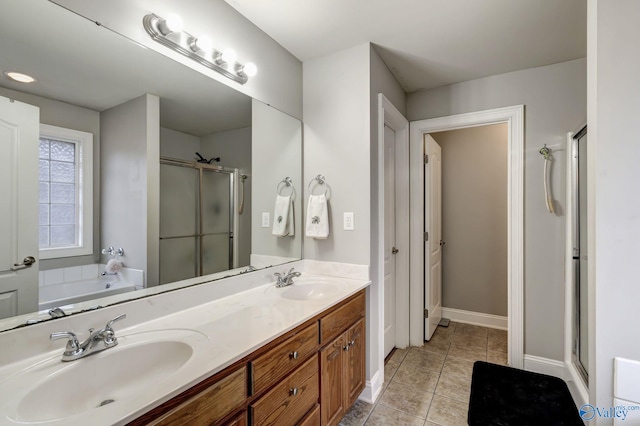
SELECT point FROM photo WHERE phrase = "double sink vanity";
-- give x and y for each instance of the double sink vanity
(293, 354)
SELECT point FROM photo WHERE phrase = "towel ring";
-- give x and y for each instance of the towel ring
(320, 180)
(283, 184)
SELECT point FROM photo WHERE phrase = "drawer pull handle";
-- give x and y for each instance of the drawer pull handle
(346, 347)
(293, 355)
(293, 391)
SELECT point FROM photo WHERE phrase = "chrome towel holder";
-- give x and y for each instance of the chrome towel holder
(319, 180)
(287, 182)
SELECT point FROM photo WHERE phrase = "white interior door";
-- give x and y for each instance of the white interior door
(389, 240)
(19, 135)
(432, 226)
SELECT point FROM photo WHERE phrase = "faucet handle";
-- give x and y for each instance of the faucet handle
(118, 318)
(72, 344)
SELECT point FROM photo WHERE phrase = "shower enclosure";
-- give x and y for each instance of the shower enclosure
(580, 258)
(197, 219)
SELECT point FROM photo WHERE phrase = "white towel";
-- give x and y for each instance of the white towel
(318, 217)
(283, 224)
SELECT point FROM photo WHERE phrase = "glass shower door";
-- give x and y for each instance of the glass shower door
(179, 223)
(217, 221)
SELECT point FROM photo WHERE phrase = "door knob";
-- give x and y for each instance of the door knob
(442, 242)
(26, 262)
(394, 250)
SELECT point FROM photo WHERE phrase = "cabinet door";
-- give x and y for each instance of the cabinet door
(354, 359)
(332, 378)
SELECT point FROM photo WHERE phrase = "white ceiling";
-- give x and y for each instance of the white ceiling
(430, 43)
(90, 66)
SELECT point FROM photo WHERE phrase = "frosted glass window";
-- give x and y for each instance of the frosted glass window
(58, 215)
(65, 214)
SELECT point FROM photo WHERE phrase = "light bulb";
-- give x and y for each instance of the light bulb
(250, 69)
(173, 24)
(19, 77)
(228, 56)
(204, 43)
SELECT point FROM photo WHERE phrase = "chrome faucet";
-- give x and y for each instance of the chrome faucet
(284, 280)
(97, 341)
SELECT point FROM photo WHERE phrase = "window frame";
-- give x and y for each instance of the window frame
(84, 190)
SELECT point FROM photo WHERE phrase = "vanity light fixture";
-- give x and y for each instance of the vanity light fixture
(19, 77)
(169, 33)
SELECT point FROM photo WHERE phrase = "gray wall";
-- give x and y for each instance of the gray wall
(336, 145)
(555, 103)
(62, 114)
(614, 107)
(279, 78)
(130, 146)
(341, 139)
(474, 218)
(179, 145)
(276, 154)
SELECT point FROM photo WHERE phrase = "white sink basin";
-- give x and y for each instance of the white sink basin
(309, 289)
(87, 387)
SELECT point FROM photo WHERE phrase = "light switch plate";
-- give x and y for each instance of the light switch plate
(348, 221)
(265, 219)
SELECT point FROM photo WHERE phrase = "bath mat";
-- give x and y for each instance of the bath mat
(505, 396)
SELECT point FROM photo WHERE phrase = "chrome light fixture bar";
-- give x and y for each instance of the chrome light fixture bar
(168, 32)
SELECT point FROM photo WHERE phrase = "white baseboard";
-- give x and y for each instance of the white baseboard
(372, 389)
(476, 318)
(547, 366)
(562, 370)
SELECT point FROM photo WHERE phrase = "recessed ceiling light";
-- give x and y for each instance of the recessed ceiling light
(19, 77)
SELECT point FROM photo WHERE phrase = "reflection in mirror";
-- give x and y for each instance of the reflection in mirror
(184, 171)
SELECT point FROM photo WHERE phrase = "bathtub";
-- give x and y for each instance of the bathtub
(68, 293)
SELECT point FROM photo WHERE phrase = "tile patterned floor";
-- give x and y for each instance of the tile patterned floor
(430, 385)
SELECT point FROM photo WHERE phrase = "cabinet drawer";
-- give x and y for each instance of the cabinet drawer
(211, 405)
(312, 418)
(337, 321)
(291, 399)
(282, 359)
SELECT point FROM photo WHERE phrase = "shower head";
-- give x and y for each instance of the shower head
(201, 158)
(545, 152)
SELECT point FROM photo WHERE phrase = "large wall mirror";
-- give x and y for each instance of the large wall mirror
(135, 152)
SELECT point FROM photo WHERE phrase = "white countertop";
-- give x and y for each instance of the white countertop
(221, 332)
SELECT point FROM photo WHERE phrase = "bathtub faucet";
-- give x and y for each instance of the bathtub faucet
(97, 341)
(57, 313)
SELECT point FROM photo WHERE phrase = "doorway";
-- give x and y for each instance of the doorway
(393, 227)
(514, 119)
(474, 224)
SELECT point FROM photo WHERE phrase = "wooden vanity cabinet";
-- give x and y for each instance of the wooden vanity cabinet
(308, 377)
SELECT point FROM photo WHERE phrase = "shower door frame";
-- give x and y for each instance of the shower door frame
(575, 372)
(201, 167)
